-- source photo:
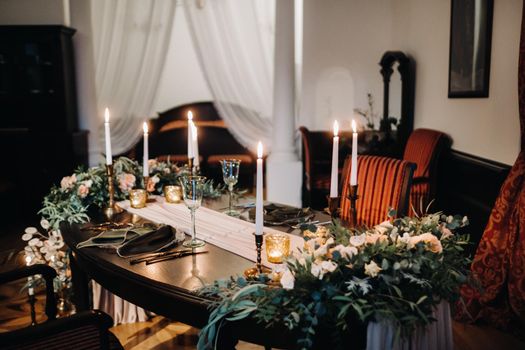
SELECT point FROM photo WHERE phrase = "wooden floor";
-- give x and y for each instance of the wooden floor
(160, 333)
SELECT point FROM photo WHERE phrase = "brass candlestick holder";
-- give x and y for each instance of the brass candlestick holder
(258, 269)
(190, 164)
(146, 180)
(353, 209)
(112, 208)
(333, 207)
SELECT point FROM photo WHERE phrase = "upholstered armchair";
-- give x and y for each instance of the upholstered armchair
(87, 330)
(383, 183)
(424, 148)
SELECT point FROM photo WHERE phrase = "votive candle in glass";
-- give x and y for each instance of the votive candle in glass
(277, 247)
(138, 198)
(173, 193)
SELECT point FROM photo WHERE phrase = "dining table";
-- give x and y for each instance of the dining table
(169, 288)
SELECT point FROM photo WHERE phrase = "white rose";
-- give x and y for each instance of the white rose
(328, 266)
(346, 252)
(45, 224)
(316, 270)
(34, 242)
(287, 280)
(27, 236)
(383, 227)
(357, 241)
(372, 269)
(31, 230)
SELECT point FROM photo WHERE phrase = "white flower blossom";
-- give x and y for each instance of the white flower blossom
(45, 224)
(358, 241)
(372, 269)
(287, 279)
(27, 236)
(346, 251)
(31, 230)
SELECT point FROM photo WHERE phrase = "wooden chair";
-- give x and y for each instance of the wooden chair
(383, 183)
(424, 148)
(88, 330)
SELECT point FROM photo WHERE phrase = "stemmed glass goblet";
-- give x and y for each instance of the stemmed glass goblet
(230, 174)
(192, 191)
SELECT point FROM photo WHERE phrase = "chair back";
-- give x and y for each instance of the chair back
(383, 183)
(423, 148)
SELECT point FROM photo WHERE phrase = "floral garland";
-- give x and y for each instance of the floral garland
(396, 272)
(89, 187)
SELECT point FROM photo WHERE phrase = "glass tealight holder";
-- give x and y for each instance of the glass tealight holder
(173, 193)
(277, 247)
(138, 198)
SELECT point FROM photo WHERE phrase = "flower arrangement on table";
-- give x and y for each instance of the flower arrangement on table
(89, 187)
(396, 272)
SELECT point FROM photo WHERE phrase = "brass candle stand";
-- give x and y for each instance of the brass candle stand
(352, 196)
(112, 208)
(146, 180)
(258, 269)
(333, 207)
(190, 165)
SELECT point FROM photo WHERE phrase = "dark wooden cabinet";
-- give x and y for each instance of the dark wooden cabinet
(39, 137)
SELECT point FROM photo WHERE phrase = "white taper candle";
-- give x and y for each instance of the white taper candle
(259, 192)
(107, 136)
(145, 165)
(335, 163)
(353, 170)
(195, 144)
(190, 138)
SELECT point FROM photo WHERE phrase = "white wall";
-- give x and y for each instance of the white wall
(486, 127)
(345, 38)
(343, 43)
(182, 79)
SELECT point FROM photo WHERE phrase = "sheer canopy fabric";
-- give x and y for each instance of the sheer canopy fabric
(131, 40)
(234, 40)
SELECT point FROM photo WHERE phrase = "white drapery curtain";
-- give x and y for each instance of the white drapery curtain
(131, 41)
(234, 40)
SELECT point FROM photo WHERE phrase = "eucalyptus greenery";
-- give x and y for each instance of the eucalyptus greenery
(71, 200)
(396, 272)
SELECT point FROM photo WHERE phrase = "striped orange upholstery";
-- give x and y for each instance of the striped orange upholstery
(423, 148)
(383, 183)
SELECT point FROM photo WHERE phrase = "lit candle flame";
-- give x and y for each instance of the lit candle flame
(106, 115)
(145, 127)
(354, 126)
(190, 115)
(336, 128)
(28, 260)
(259, 150)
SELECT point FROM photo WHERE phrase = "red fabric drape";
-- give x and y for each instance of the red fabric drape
(499, 263)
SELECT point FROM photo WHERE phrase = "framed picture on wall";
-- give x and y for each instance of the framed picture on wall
(470, 44)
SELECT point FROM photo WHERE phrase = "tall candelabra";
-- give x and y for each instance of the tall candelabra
(352, 196)
(112, 208)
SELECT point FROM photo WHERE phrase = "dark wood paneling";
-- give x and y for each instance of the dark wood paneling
(469, 185)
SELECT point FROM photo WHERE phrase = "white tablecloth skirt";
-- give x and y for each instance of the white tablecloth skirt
(121, 310)
(436, 336)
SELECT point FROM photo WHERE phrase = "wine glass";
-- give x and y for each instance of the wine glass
(192, 191)
(230, 174)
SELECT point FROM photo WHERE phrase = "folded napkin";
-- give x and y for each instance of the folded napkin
(134, 240)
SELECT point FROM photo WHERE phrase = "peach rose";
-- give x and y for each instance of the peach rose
(68, 182)
(126, 182)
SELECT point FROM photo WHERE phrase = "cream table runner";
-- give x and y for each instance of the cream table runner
(221, 230)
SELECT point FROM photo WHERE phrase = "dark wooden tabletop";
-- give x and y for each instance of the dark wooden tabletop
(166, 288)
